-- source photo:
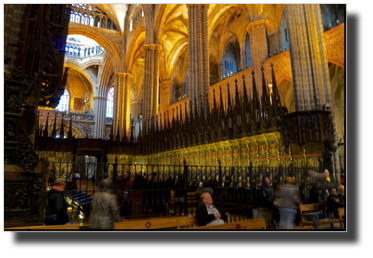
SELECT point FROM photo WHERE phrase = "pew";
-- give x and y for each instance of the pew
(147, 224)
(313, 211)
(253, 224)
(341, 216)
(178, 222)
(68, 227)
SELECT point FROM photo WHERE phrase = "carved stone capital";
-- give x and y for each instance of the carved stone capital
(255, 24)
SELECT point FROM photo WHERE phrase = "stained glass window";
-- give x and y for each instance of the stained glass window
(63, 105)
(110, 103)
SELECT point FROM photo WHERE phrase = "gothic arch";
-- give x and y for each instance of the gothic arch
(92, 33)
(137, 37)
(174, 55)
(103, 78)
(91, 80)
(218, 14)
(77, 132)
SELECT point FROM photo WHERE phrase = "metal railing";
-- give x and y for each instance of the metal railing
(168, 190)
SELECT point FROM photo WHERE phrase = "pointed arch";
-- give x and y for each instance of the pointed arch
(104, 42)
(137, 36)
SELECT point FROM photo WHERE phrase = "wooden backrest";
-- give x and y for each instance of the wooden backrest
(158, 223)
(45, 228)
(187, 221)
(341, 212)
(147, 224)
(341, 215)
(309, 207)
(239, 225)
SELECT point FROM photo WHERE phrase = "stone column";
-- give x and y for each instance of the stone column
(309, 64)
(151, 75)
(122, 104)
(198, 54)
(259, 50)
(167, 94)
(99, 106)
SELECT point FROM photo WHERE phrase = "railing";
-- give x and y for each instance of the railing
(168, 190)
(74, 115)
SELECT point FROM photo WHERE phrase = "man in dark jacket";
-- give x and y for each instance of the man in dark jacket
(56, 212)
(334, 202)
(209, 214)
(341, 194)
(268, 198)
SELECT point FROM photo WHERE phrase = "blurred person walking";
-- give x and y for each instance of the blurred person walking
(287, 201)
(104, 207)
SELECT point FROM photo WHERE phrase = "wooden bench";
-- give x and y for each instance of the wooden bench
(179, 222)
(69, 227)
(313, 210)
(342, 219)
(253, 224)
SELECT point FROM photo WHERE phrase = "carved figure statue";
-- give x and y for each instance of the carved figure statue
(9, 133)
(12, 104)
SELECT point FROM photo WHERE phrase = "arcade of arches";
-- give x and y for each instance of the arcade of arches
(165, 59)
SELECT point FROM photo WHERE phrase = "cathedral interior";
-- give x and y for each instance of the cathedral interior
(219, 93)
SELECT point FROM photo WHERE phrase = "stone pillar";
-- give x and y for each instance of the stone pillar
(167, 94)
(198, 54)
(122, 103)
(151, 75)
(99, 106)
(309, 64)
(259, 50)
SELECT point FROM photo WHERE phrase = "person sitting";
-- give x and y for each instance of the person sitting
(203, 188)
(209, 214)
(334, 202)
(341, 194)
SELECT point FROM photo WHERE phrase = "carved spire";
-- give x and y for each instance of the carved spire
(191, 112)
(132, 131)
(275, 95)
(45, 133)
(221, 106)
(265, 100)
(168, 121)
(124, 138)
(202, 116)
(62, 129)
(112, 131)
(181, 121)
(164, 119)
(38, 126)
(237, 97)
(196, 116)
(208, 115)
(256, 105)
(160, 122)
(70, 133)
(186, 124)
(118, 134)
(54, 131)
(245, 97)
